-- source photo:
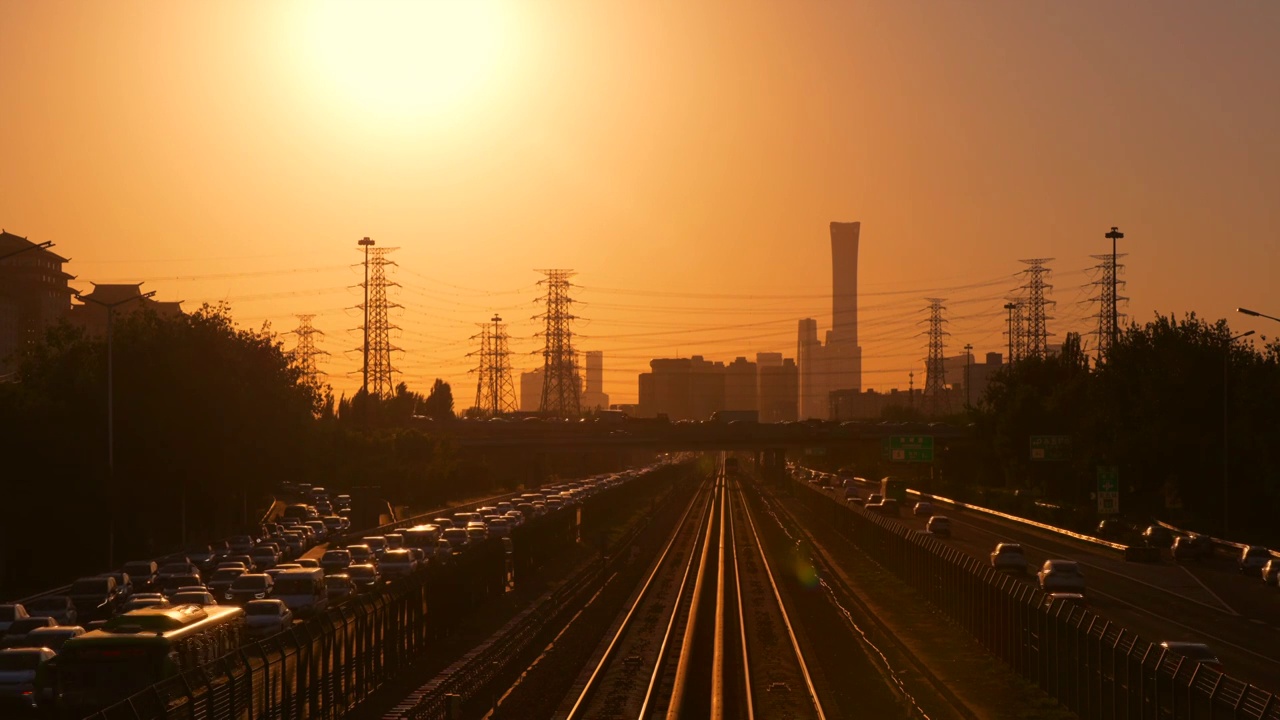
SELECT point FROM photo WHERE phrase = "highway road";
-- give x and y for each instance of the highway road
(1202, 601)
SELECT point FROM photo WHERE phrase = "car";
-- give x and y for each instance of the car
(309, 563)
(397, 564)
(172, 569)
(232, 565)
(395, 541)
(18, 630)
(443, 523)
(477, 532)
(250, 586)
(21, 672)
(124, 582)
(1112, 529)
(1157, 536)
(137, 602)
(222, 579)
(203, 598)
(888, 506)
(500, 527)
(1199, 652)
(361, 554)
(851, 492)
(1252, 558)
(95, 598)
(1009, 557)
(1191, 547)
(339, 587)
(334, 561)
(201, 555)
(53, 637)
(1271, 572)
(59, 607)
(246, 560)
(240, 544)
(365, 576)
(9, 613)
(442, 552)
(923, 508)
(173, 583)
(1061, 576)
(265, 556)
(267, 617)
(874, 499)
(939, 525)
(376, 543)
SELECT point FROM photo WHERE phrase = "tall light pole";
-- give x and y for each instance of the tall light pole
(111, 417)
(366, 243)
(1226, 457)
(1114, 235)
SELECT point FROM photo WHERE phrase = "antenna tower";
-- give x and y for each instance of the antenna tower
(560, 391)
(935, 380)
(495, 389)
(1036, 342)
(1107, 283)
(304, 355)
(377, 326)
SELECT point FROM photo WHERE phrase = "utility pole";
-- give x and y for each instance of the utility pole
(968, 356)
(1114, 235)
(1010, 306)
(935, 381)
(560, 391)
(1036, 337)
(111, 416)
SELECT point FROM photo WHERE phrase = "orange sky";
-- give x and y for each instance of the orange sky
(684, 158)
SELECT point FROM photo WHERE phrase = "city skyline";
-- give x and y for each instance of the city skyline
(692, 198)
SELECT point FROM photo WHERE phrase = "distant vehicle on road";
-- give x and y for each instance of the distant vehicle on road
(303, 591)
(1198, 652)
(1191, 547)
(1009, 557)
(267, 617)
(1252, 558)
(894, 488)
(939, 525)
(1061, 576)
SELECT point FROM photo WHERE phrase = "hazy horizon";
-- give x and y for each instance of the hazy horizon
(685, 163)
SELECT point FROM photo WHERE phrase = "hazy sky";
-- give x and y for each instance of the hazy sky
(685, 158)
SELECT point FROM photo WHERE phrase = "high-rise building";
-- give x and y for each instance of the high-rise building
(682, 388)
(837, 364)
(778, 387)
(811, 369)
(593, 395)
(740, 392)
(531, 390)
(34, 295)
(843, 351)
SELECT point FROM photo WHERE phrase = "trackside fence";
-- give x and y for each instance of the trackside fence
(1094, 667)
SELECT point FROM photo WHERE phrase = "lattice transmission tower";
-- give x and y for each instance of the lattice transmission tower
(305, 353)
(560, 391)
(935, 379)
(1036, 331)
(377, 327)
(495, 388)
(1108, 316)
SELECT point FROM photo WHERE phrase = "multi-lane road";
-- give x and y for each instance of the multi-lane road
(1205, 601)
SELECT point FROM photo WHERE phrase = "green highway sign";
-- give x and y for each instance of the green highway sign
(1108, 490)
(908, 448)
(1051, 448)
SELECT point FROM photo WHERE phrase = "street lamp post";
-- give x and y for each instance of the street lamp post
(1226, 457)
(1255, 313)
(1114, 235)
(111, 426)
(968, 355)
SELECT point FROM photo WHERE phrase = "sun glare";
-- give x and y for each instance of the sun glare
(405, 58)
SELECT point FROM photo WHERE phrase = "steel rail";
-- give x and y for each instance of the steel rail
(683, 665)
(590, 686)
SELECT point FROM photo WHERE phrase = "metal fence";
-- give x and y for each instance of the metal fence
(1092, 666)
(322, 668)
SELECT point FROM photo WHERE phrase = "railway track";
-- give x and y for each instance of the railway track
(707, 635)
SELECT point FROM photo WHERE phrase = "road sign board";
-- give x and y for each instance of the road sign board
(908, 448)
(1051, 448)
(1108, 489)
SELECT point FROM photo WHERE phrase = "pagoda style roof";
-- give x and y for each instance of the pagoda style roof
(10, 242)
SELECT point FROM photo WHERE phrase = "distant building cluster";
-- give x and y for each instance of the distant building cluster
(36, 294)
(592, 386)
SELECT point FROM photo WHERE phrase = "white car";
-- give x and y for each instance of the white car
(267, 617)
(397, 564)
(1061, 576)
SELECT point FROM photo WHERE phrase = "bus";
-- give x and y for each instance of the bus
(140, 648)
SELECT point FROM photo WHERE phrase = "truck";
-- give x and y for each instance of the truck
(893, 488)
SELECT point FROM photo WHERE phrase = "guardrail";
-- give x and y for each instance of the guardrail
(1092, 666)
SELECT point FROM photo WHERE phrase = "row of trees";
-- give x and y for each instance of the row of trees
(208, 418)
(1186, 415)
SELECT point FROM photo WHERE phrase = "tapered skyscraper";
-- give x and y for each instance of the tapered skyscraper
(845, 368)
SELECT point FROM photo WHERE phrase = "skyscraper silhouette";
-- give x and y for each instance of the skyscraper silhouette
(846, 356)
